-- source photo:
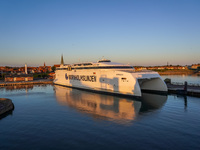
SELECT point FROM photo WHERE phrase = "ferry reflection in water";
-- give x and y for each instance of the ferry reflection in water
(107, 107)
(152, 101)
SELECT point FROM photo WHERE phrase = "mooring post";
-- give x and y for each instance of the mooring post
(185, 87)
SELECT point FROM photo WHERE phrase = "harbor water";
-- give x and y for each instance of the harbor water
(180, 79)
(56, 117)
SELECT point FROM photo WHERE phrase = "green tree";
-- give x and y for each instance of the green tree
(53, 68)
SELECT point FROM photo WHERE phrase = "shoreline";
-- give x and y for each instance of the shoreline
(43, 81)
(178, 72)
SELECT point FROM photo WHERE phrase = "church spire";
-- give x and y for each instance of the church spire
(62, 61)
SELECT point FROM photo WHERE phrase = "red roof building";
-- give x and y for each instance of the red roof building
(11, 78)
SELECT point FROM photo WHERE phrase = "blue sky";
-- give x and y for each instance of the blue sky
(138, 32)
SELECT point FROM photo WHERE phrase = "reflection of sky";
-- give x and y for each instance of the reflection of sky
(183, 78)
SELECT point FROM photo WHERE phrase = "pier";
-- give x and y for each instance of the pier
(190, 90)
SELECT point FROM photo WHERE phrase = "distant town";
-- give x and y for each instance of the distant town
(170, 67)
(25, 73)
(9, 74)
(193, 69)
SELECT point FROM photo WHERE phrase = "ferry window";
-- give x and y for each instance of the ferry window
(124, 80)
(104, 60)
(69, 68)
(86, 64)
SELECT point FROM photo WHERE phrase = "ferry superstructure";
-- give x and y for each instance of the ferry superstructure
(106, 76)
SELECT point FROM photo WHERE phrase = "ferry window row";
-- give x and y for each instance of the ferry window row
(100, 67)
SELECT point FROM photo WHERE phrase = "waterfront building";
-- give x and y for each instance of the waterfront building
(52, 75)
(195, 66)
(24, 77)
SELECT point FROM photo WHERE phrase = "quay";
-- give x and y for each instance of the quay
(43, 81)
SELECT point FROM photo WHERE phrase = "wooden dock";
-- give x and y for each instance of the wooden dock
(46, 81)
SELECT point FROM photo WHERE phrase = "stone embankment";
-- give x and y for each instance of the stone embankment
(45, 81)
(6, 105)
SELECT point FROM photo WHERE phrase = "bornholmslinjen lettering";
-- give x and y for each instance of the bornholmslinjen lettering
(91, 78)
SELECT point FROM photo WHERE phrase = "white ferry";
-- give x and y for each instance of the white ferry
(108, 77)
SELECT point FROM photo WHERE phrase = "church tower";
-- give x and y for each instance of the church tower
(62, 61)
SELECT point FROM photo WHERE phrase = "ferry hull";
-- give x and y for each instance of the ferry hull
(112, 82)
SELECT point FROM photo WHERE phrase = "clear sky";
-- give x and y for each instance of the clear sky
(138, 32)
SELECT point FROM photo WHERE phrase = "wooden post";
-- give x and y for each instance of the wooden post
(185, 87)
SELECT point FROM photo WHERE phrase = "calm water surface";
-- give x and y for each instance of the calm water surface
(191, 79)
(54, 117)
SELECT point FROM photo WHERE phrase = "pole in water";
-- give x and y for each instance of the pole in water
(185, 87)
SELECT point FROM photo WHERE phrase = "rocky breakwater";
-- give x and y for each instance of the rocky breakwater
(6, 105)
